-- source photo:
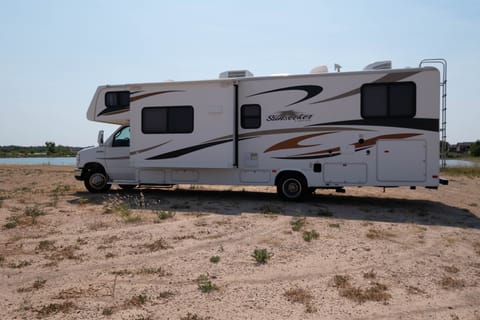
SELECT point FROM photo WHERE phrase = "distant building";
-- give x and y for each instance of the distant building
(461, 147)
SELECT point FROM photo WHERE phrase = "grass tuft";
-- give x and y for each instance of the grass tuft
(473, 171)
(299, 295)
(375, 292)
(261, 256)
(54, 308)
(137, 300)
(451, 283)
(166, 294)
(159, 244)
(34, 212)
(310, 235)
(163, 215)
(298, 223)
(118, 206)
(379, 234)
(194, 316)
(214, 259)
(46, 245)
(205, 284)
(38, 284)
(12, 222)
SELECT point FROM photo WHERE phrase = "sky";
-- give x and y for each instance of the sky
(54, 53)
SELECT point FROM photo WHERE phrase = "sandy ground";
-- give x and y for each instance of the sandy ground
(147, 253)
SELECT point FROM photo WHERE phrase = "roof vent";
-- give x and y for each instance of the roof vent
(379, 65)
(235, 74)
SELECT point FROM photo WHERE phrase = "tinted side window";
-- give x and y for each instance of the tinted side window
(388, 100)
(116, 99)
(374, 101)
(402, 98)
(122, 138)
(167, 119)
(250, 116)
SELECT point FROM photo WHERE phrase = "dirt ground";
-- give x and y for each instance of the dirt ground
(208, 252)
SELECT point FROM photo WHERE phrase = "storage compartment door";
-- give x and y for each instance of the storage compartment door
(403, 161)
(345, 173)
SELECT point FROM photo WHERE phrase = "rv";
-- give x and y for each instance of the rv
(375, 127)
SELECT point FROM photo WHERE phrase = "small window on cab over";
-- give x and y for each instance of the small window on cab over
(250, 116)
(117, 99)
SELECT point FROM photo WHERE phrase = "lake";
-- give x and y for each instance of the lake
(461, 163)
(66, 161)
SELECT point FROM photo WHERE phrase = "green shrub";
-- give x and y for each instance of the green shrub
(261, 256)
(12, 222)
(298, 223)
(163, 215)
(205, 284)
(214, 259)
(310, 235)
(34, 212)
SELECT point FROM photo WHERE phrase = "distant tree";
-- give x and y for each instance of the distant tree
(447, 145)
(51, 149)
(475, 149)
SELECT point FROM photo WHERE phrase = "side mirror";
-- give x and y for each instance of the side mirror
(100, 138)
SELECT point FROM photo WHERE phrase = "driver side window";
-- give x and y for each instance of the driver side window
(122, 138)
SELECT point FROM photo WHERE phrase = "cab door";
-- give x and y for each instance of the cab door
(117, 156)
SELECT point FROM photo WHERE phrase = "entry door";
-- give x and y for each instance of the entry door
(117, 156)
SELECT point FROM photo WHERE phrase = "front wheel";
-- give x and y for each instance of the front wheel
(292, 187)
(96, 181)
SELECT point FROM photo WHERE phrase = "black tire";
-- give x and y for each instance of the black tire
(127, 186)
(292, 187)
(96, 181)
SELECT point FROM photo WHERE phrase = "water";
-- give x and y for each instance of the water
(461, 163)
(66, 161)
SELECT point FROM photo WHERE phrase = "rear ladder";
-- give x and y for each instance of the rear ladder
(443, 86)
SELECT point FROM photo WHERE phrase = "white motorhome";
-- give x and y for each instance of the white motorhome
(376, 127)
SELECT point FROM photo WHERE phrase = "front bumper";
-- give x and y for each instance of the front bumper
(78, 174)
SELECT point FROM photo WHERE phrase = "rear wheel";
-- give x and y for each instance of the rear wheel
(96, 181)
(292, 187)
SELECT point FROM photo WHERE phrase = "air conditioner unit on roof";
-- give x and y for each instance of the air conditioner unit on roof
(235, 74)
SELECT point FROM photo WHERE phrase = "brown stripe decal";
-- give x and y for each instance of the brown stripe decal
(146, 95)
(392, 77)
(294, 143)
(372, 141)
(331, 152)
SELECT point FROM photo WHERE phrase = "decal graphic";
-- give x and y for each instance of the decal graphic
(294, 143)
(146, 95)
(393, 77)
(289, 115)
(310, 90)
(335, 151)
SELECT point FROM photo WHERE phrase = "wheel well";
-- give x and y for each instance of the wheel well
(289, 172)
(92, 166)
